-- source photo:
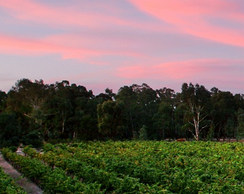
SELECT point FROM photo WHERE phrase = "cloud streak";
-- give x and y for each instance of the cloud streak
(67, 46)
(119, 42)
(70, 16)
(199, 69)
(192, 17)
(24, 46)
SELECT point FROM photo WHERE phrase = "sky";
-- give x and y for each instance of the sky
(111, 43)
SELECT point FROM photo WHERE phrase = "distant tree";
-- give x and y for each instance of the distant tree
(143, 133)
(64, 110)
(110, 119)
(163, 120)
(27, 98)
(10, 130)
(179, 114)
(58, 108)
(166, 95)
(3, 98)
(140, 105)
(83, 122)
(128, 97)
(146, 107)
(196, 99)
(223, 114)
(240, 127)
(108, 95)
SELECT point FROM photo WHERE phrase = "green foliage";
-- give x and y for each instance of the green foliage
(143, 133)
(10, 130)
(197, 100)
(32, 111)
(110, 123)
(164, 120)
(33, 138)
(3, 98)
(151, 166)
(240, 127)
(50, 180)
(223, 113)
(8, 186)
(111, 181)
(210, 132)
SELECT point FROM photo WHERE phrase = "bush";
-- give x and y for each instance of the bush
(7, 184)
(143, 133)
(33, 138)
(10, 130)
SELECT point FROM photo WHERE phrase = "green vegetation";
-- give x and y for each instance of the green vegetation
(33, 112)
(150, 166)
(7, 185)
(50, 180)
(111, 181)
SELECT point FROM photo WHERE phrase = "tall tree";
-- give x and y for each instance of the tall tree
(3, 98)
(58, 108)
(10, 130)
(27, 97)
(110, 119)
(240, 126)
(147, 105)
(223, 114)
(196, 99)
(128, 97)
(83, 122)
(163, 119)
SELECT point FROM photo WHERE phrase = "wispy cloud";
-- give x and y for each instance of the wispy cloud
(121, 42)
(25, 46)
(70, 16)
(185, 70)
(192, 17)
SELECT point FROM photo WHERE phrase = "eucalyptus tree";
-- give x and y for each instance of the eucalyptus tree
(140, 104)
(3, 98)
(110, 119)
(163, 119)
(240, 126)
(128, 97)
(10, 130)
(197, 99)
(147, 105)
(25, 101)
(223, 114)
(84, 118)
(27, 98)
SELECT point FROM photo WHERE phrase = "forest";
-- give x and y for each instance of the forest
(33, 112)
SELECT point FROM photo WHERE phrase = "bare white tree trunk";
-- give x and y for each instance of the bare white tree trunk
(196, 112)
(63, 123)
(74, 135)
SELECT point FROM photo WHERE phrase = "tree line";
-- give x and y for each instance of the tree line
(33, 111)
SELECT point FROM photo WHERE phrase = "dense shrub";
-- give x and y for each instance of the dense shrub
(8, 186)
(10, 130)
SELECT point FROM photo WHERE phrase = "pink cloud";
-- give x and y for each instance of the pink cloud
(191, 17)
(104, 45)
(67, 46)
(34, 11)
(182, 70)
(24, 46)
(30, 10)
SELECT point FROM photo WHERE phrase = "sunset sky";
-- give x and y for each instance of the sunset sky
(112, 43)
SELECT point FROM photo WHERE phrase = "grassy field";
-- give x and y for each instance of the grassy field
(136, 167)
